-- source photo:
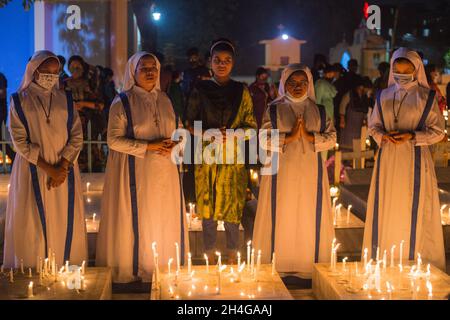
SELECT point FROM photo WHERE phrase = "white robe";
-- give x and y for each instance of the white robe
(396, 178)
(297, 182)
(157, 184)
(24, 238)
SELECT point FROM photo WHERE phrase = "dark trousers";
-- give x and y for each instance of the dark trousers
(210, 234)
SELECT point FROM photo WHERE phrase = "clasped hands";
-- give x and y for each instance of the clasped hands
(299, 131)
(162, 147)
(57, 174)
(397, 137)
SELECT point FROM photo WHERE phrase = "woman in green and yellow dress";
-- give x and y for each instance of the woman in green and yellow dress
(220, 103)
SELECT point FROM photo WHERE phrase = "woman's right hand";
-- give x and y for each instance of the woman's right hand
(342, 122)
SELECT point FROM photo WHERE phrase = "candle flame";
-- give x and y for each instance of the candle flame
(249, 242)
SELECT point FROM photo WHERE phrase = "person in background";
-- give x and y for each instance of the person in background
(176, 95)
(192, 74)
(62, 73)
(262, 93)
(3, 113)
(326, 91)
(109, 91)
(382, 81)
(433, 76)
(320, 62)
(353, 112)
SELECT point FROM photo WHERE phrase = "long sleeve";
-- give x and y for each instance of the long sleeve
(75, 143)
(434, 127)
(246, 114)
(375, 125)
(265, 135)
(117, 130)
(326, 140)
(193, 108)
(344, 102)
(30, 151)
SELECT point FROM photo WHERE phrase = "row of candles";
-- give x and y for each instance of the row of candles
(252, 267)
(47, 270)
(373, 274)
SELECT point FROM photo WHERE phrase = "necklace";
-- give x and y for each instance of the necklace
(47, 115)
(399, 107)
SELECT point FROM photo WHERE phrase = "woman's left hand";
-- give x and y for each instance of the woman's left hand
(305, 133)
(402, 137)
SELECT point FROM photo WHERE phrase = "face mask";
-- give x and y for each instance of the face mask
(403, 79)
(47, 80)
(297, 100)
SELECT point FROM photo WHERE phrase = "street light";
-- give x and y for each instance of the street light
(284, 36)
(156, 16)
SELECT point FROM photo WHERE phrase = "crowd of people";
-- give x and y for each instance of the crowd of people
(143, 200)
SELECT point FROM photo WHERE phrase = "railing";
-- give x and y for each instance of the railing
(6, 140)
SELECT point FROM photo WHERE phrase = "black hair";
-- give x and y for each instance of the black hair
(331, 68)
(352, 62)
(221, 45)
(62, 60)
(366, 82)
(383, 67)
(260, 71)
(192, 51)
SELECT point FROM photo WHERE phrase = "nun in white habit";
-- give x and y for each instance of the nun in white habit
(403, 203)
(44, 214)
(294, 217)
(142, 198)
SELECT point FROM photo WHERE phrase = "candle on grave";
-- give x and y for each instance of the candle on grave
(56, 273)
(428, 274)
(45, 266)
(378, 254)
(37, 264)
(177, 249)
(21, 266)
(335, 255)
(219, 260)
(332, 252)
(349, 210)
(83, 267)
(419, 262)
(384, 259)
(219, 278)
(238, 259)
(273, 264)
(430, 290)
(258, 265)
(365, 257)
(53, 263)
(401, 252)
(240, 269)
(392, 256)
(335, 199)
(189, 262)
(344, 261)
(93, 217)
(252, 268)
(30, 290)
(248, 252)
(155, 261)
(11, 275)
(87, 187)
(169, 264)
(207, 262)
(442, 209)
(30, 275)
(66, 266)
(389, 290)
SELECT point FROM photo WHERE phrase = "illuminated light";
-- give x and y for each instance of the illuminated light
(156, 16)
(284, 36)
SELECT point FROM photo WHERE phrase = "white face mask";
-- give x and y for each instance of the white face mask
(403, 79)
(47, 80)
(297, 100)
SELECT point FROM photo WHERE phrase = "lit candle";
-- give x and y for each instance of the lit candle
(169, 263)
(389, 290)
(87, 187)
(66, 267)
(219, 260)
(189, 262)
(207, 262)
(219, 278)
(30, 275)
(430, 290)
(401, 251)
(30, 290)
(11, 275)
(21, 266)
(384, 259)
(93, 217)
(45, 266)
(335, 255)
(248, 252)
(252, 268)
(392, 256)
(419, 262)
(336, 146)
(273, 264)
(349, 210)
(344, 261)
(335, 199)
(53, 263)
(442, 209)
(240, 269)
(378, 254)
(428, 274)
(238, 259)
(37, 264)
(177, 249)
(83, 267)
(365, 257)
(258, 265)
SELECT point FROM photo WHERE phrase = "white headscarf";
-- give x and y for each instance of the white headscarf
(288, 71)
(36, 60)
(413, 56)
(130, 70)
